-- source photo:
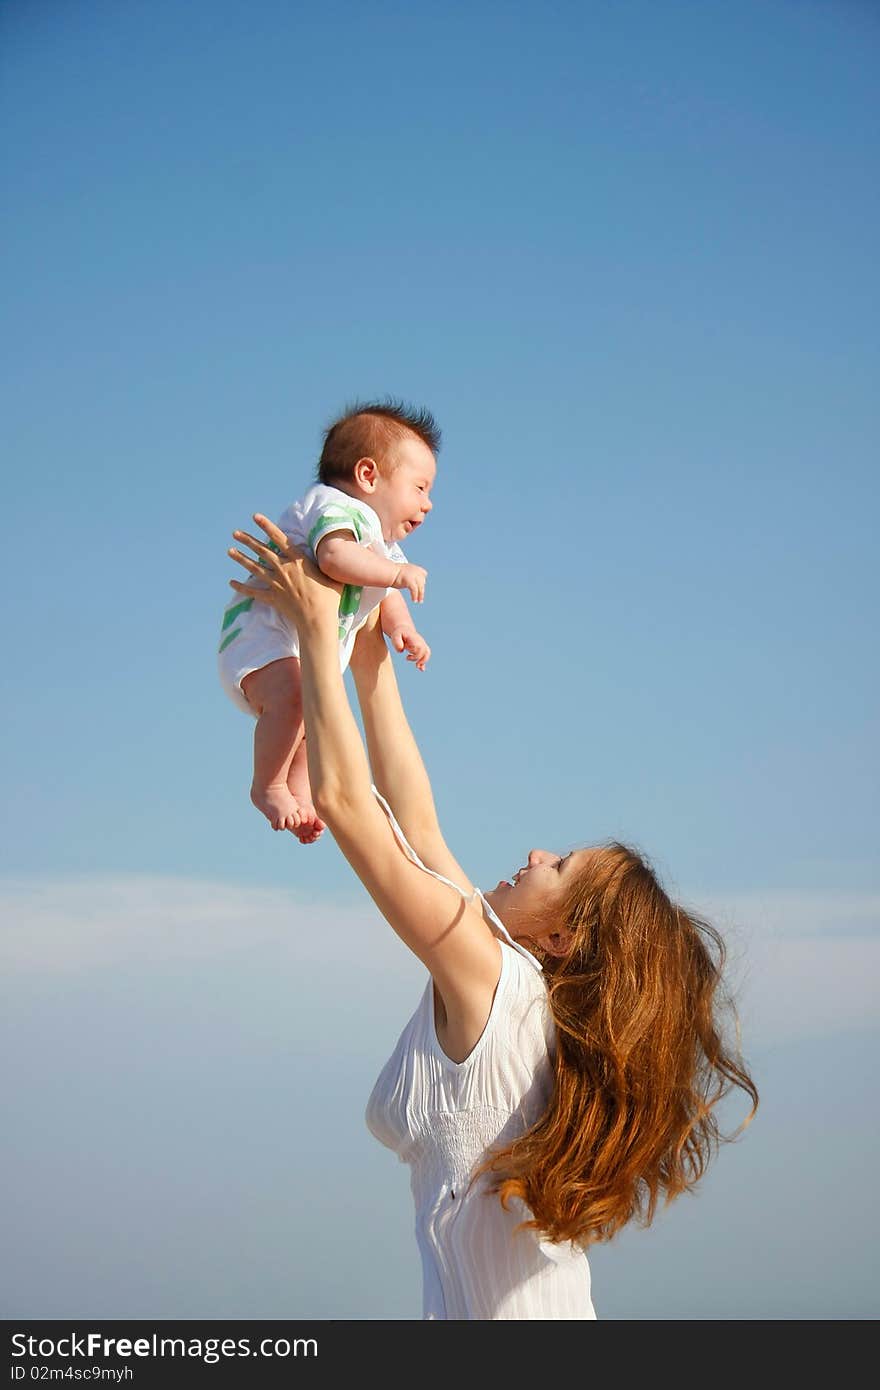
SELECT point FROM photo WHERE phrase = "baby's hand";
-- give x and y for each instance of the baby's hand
(411, 577)
(405, 638)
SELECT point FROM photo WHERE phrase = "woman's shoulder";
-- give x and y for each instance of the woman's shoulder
(511, 1065)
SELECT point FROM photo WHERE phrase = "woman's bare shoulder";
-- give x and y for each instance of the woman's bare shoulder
(462, 1007)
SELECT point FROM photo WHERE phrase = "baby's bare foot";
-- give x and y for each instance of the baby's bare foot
(311, 825)
(279, 806)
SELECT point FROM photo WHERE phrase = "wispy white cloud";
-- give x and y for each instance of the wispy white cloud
(83, 923)
(798, 914)
(801, 965)
(797, 987)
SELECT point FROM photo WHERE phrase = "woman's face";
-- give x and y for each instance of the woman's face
(533, 893)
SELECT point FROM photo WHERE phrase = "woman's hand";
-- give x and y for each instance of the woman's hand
(286, 578)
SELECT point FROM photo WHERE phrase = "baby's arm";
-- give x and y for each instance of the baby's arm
(400, 630)
(340, 557)
(393, 613)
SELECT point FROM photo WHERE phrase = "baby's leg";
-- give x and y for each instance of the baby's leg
(311, 825)
(275, 694)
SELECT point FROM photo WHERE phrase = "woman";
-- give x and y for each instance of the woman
(561, 1071)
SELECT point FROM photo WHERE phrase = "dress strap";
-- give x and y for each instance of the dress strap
(468, 897)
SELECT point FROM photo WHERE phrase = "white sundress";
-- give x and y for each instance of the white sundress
(441, 1116)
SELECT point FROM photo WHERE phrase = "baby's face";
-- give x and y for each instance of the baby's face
(402, 500)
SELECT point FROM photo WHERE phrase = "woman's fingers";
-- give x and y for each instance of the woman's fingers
(279, 543)
(274, 532)
(288, 574)
(278, 552)
(260, 548)
(253, 565)
(251, 591)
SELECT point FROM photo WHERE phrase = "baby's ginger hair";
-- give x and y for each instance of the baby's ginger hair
(371, 429)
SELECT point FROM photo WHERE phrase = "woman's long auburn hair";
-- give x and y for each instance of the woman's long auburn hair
(640, 1063)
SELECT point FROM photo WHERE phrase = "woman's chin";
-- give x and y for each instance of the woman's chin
(496, 897)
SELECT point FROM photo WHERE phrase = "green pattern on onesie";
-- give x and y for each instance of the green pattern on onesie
(341, 515)
(338, 515)
(348, 606)
(229, 617)
(236, 609)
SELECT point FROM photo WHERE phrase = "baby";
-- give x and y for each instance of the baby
(375, 475)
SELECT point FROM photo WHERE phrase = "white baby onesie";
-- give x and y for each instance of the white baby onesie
(253, 634)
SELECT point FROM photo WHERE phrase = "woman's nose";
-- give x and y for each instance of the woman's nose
(536, 855)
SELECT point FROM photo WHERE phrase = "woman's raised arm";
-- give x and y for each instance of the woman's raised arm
(396, 762)
(446, 931)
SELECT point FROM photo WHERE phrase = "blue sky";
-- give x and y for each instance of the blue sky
(627, 255)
